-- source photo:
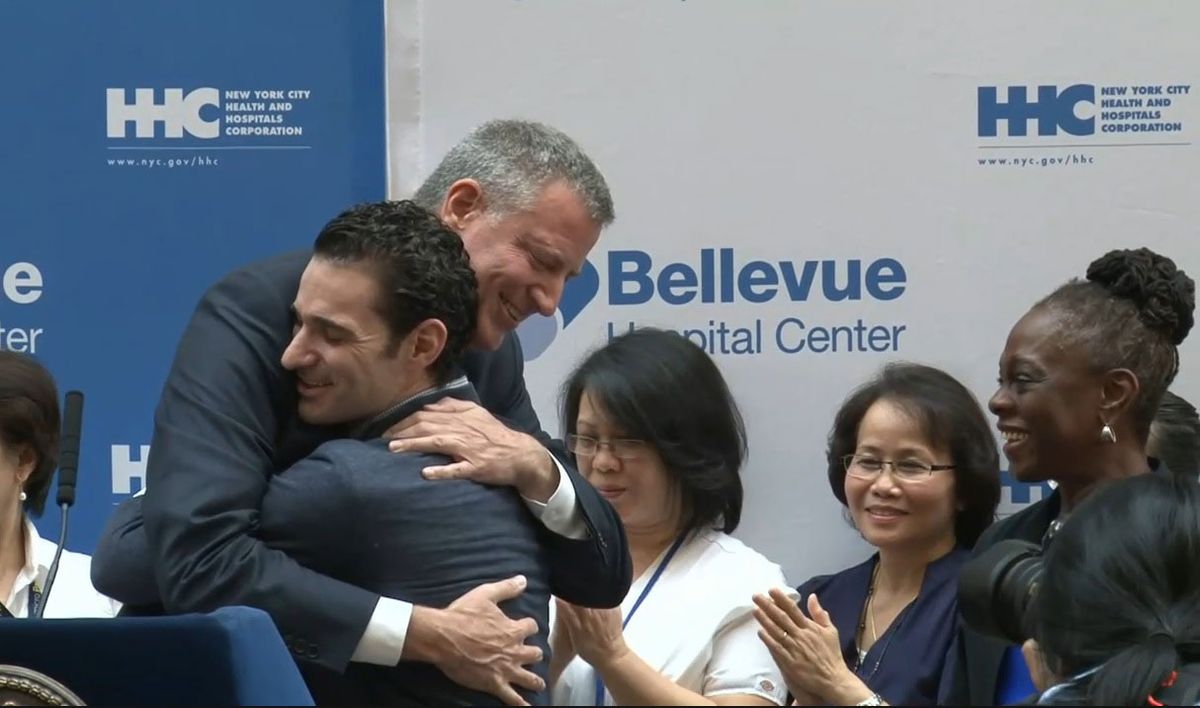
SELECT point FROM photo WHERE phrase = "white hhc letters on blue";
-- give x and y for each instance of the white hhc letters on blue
(177, 113)
(125, 469)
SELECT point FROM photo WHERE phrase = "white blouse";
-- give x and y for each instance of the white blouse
(72, 594)
(696, 626)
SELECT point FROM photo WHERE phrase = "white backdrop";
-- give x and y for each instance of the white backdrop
(825, 131)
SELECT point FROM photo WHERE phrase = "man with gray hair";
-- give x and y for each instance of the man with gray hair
(529, 206)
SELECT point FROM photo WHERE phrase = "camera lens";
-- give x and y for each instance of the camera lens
(996, 589)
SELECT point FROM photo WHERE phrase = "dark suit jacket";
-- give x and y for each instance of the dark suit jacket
(354, 511)
(227, 422)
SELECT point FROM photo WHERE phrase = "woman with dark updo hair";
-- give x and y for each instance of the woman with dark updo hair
(1081, 377)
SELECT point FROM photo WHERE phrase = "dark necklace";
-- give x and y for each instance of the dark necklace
(861, 655)
(1052, 530)
(888, 634)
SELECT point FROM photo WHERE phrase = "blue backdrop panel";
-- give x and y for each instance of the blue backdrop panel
(148, 148)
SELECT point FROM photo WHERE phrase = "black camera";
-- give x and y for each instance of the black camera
(996, 590)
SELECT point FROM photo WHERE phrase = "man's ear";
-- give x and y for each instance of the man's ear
(1042, 677)
(464, 203)
(426, 342)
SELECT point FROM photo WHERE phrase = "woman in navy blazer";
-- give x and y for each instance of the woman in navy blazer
(913, 459)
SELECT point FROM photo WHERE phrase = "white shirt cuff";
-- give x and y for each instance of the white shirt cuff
(561, 513)
(383, 642)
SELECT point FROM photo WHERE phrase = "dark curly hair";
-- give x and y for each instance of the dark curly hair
(421, 264)
(658, 386)
(29, 415)
(950, 417)
(1133, 311)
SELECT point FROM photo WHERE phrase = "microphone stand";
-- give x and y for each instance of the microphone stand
(67, 470)
(62, 540)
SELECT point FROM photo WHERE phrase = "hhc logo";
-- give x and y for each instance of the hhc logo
(1053, 110)
(1021, 492)
(537, 332)
(177, 113)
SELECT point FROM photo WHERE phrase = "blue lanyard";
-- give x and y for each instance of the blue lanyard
(35, 600)
(638, 603)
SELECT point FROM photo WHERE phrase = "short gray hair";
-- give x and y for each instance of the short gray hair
(513, 160)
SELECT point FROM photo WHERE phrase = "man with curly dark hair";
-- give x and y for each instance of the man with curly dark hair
(528, 205)
(384, 310)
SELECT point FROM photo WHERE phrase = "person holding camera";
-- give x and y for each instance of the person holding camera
(913, 459)
(1081, 377)
(1175, 435)
(1127, 555)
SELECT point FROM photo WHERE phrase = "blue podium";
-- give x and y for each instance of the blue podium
(233, 656)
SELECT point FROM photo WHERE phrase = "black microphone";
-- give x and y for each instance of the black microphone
(68, 457)
(68, 468)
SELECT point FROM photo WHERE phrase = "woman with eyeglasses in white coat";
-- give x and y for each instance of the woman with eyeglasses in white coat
(654, 428)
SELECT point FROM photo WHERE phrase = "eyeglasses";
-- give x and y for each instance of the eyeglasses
(622, 448)
(870, 467)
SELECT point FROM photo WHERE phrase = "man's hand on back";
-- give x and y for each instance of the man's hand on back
(476, 645)
(484, 449)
